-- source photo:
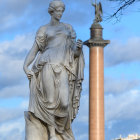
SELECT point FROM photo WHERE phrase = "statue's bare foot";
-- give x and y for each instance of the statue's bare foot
(53, 138)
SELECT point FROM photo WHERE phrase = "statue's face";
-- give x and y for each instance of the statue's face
(57, 13)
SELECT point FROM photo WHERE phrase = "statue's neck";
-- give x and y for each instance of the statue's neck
(54, 21)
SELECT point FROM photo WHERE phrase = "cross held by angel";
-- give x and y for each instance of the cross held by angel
(98, 11)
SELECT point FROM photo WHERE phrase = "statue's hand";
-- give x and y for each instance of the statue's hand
(29, 73)
(79, 44)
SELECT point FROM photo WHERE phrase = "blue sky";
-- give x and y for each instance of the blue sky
(19, 23)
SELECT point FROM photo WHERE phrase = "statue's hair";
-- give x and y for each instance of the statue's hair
(54, 4)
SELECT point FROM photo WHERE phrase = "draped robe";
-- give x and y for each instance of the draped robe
(57, 81)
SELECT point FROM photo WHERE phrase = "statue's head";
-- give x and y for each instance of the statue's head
(56, 8)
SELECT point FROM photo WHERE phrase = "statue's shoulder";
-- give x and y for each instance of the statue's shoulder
(72, 31)
(42, 29)
(68, 26)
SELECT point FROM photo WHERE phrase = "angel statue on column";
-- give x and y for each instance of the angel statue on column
(98, 11)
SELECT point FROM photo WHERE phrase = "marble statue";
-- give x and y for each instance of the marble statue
(55, 79)
(98, 11)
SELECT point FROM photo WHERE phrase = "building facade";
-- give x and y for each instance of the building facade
(130, 137)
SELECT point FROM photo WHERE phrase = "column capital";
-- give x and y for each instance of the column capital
(96, 38)
(96, 43)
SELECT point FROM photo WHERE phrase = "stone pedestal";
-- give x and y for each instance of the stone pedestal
(36, 129)
(96, 97)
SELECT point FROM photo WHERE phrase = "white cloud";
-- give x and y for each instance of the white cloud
(118, 52)
(27, 14)
(11, 11)
(12, 130)
(123, 106)
(15, 91)
(12, 124)
(10, 114)
(119, 85)
(12, 54)
(18, 44)
(122, 114)
(82, 137)
(7, 114)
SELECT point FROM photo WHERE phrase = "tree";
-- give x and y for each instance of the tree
(122, 5)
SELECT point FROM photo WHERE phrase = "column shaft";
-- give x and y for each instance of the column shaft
(96, 98)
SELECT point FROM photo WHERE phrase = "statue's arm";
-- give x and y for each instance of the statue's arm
(30, 58)
(37, 46)
(78, 48)
(76, 45)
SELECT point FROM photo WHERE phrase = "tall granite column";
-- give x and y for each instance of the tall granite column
(96, 45)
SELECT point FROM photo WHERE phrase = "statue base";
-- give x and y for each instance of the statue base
(35, 129)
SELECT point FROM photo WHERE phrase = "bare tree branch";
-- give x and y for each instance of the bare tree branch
(122, 4)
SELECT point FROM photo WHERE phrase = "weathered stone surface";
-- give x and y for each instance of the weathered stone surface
(55, 79)
(35, 128)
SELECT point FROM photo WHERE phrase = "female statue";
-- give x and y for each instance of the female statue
(56, 75)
